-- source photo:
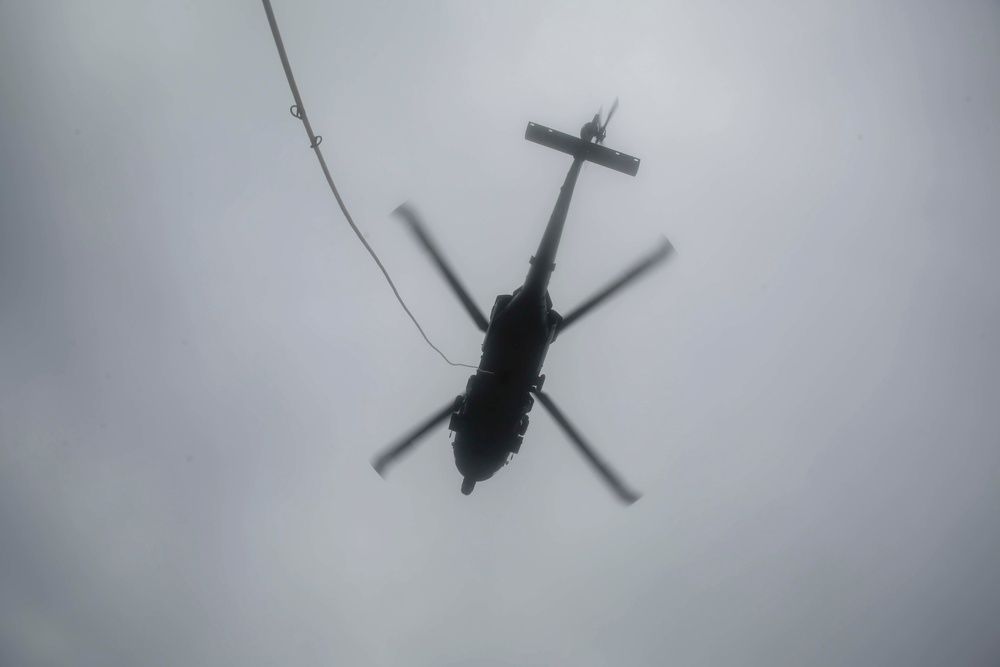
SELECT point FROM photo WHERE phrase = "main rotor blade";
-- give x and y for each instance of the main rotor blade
(637, 270)
(405, 212)
(627, 496)
(380, 462)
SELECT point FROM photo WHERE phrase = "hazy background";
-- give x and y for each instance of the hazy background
(198, 359)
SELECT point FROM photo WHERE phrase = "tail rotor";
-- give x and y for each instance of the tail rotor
(603, 131)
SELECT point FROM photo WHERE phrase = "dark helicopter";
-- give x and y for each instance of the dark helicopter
(491, 417)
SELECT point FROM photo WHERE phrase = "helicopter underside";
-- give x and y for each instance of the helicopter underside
(493, 418)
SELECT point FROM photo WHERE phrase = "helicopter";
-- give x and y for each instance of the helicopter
(490, 418)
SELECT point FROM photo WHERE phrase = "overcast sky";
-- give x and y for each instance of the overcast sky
(198, 359)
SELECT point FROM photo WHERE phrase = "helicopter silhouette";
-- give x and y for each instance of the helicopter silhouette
(490, 419)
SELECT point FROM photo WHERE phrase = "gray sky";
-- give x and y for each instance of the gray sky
(198, 359)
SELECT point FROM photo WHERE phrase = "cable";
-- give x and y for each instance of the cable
(299, 111)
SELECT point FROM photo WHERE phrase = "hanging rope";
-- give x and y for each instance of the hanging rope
(298, 110)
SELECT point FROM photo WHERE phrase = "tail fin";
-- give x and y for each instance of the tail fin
(592, 152)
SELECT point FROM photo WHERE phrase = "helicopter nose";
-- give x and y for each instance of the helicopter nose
(473, 461)
(468, 484)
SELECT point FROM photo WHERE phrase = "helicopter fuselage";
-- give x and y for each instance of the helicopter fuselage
(490, 424)
(491, 421)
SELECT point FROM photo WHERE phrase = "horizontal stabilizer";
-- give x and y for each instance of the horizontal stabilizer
(560, 141)
(606, 157)
(571, 145)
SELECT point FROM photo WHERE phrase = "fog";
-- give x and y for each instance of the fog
(198, 359)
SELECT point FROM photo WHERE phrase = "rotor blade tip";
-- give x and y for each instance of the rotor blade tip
(405, 210)
(666, 247)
